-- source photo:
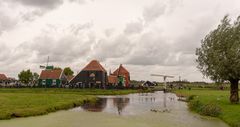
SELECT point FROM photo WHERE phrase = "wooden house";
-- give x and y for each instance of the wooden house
(52, 78)
(112, 80)
(3, 79)
(123, 76)
(91, 76)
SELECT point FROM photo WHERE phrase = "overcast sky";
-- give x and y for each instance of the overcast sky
(146, 36)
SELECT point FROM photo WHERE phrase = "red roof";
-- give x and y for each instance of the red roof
(3, 77)
(51, 74)
(94, 65)
(121, 71)
(112, 79)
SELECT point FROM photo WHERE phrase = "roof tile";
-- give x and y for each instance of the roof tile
(121, 71)
(50, 74)
(94, 65)
(3, 77)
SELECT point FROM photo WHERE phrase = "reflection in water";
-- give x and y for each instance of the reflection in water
(146, 99)
(117, 103)
(132, 104)
(97, 106)
(164, 101)
(120, 103)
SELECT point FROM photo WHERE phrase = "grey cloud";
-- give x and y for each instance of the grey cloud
(47, 4)
(155, 49)
(78, 1)
(196, 31)
(81, 1)
(6, 22)
(65, 49)
(172, 5)
(77, 28)
(109, 32)
(32, 15)
(152, 12)
(150, 50)
(134, 27)
(4, 51)
(32, 10)
(35, 8)
(118, 47)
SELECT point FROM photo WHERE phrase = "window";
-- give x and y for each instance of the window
(54, 82)
(43, 82)
(92, 75)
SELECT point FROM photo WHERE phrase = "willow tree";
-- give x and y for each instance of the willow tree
(219, 55)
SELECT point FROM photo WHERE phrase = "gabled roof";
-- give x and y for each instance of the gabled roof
(94, 65)
(51, 74)
(3, 77)
(148, 83)
(112, 79)
(121, 71)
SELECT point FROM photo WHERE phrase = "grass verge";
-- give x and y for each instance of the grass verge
(213, 103)
(31, 102)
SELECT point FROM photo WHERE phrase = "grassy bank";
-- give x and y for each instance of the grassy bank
(31, 102)
(68, 91)
(230, 113)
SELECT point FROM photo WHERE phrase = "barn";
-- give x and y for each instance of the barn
(91, 76)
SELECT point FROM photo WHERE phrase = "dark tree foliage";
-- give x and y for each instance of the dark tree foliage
(35, 76)
(219, 55)
(25, 76)
(68, 71)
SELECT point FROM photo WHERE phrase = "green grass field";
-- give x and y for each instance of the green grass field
(67, 91)
(230, 112)
(30, 102)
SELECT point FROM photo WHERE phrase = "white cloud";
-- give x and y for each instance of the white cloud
(152, 12)
(147, 36)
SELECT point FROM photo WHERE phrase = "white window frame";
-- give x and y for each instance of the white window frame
(43, 82)
(54, 82)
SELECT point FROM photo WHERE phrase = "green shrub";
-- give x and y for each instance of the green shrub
(195, 105)
(211, 109)
(191, 97)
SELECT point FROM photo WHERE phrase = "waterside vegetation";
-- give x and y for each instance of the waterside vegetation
(31, 102)
(212, 102)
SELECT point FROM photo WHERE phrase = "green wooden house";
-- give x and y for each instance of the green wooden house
(52, 78)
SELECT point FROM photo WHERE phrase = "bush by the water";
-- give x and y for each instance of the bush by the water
(210, 109)
(195, 105)
(191, 97)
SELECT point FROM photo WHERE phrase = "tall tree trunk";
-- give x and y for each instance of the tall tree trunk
(234, 97)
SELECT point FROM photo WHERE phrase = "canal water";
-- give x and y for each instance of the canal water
(134, 110)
